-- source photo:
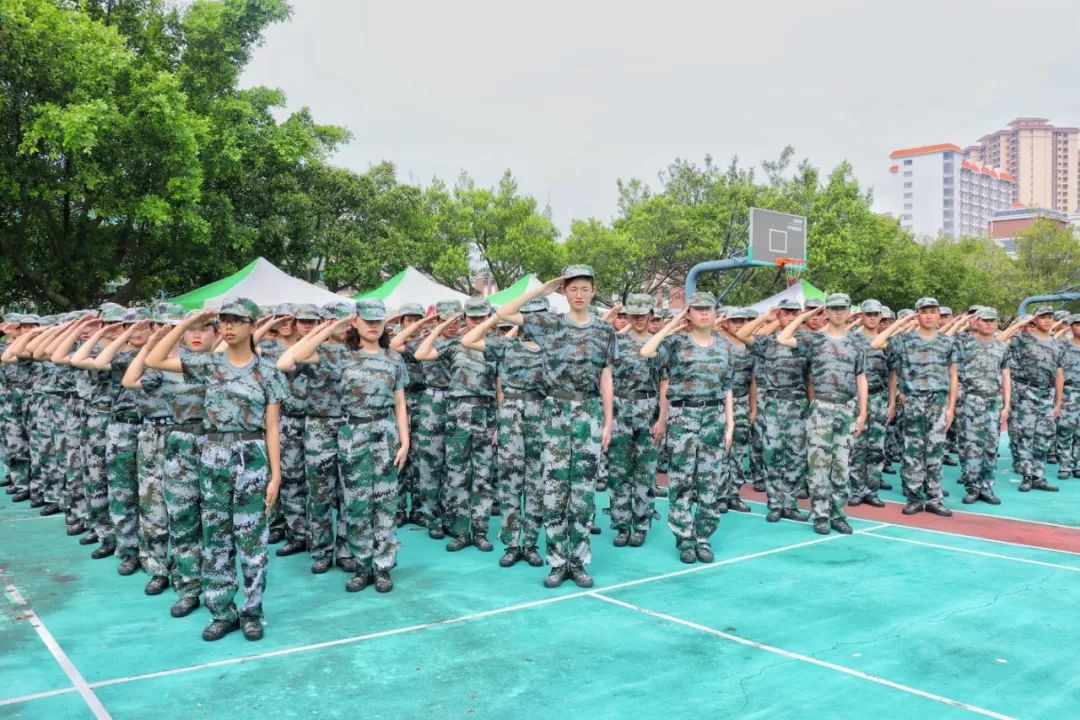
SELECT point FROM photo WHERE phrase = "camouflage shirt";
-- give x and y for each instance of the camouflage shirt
(779, 368)
(518, 366)
(470, 374)
(574, 355)
(296, 381)
(1070, 361)
(979, 364)
(414, 366)
(1035, 361)
(922, 365)
(131, 401)
(323, 381)
(835, 363)
(633, 373)
(369, 381)
(236, 397)
(185, 397)
(436, 373)
(742, 369)
(695, 372)
(45, 382)
(875, 364)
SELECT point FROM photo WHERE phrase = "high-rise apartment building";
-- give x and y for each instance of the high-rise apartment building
(945, 194)
(1045, 160)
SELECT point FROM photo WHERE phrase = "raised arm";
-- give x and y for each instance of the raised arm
(652, 345)
(881, 340)
(1017, 325)
(511, 311)
(268, 325)
(427, 350)
(305, 351)
(38, 345)
(474, 339)
(81, 358)
(787, 335)
(62, 349)
(133, 375)
(399, 341)
(104, 359)
(746, 332)
(18, 349)
(159, 357)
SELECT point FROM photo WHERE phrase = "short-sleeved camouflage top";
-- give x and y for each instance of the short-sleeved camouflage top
(742, 370)
(923, 365)
(696, 372)
(779, 368)
(323, 383)
(295, 381)
(1034, 360)
(876, 364)
(236, 397)
(835, 363)
(131, 401)
(185, 397)
(1070, 361)
(979, 364)
(519, 366)
(633, 373)
(415, 367)
(470, 374)
(574, 355)
(369, 380)
(437, 371)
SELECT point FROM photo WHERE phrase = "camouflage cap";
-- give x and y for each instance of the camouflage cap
(112, 312)
(1074, 318)
(638, 304)
(539, 304)
(925, 302)
(284, 309)
(737, 313)
(167, 313)
(870, 306)
(1043, 310)
(266, 310)
(701, 299)
(306, 311)
(815, 303)
(477, 307)
(371, 310)
(945, 310)
(975, 308)
(13, 317)
(341, 309)
(411, 308)
(1061, 315)
(751, 313)
(905, 313)
(240, 307)
(887, 313)
(986, 313)
(30, 319)
(135, 314)
(789, 304)
(838, 300)
(448, 308)
(577, 271)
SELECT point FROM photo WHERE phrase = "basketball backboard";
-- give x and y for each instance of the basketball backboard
(776, 239)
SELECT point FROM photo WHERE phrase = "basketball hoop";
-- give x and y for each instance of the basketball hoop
(792, 268)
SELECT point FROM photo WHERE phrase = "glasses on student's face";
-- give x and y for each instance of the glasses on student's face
(233, 321)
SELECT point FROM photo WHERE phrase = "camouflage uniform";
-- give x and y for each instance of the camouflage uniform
(979, 366)
(234, 473)
(409, 477)
(698, 383)
(431, 436)
(469, 490)
(739, 460)
(1031, 428)
(72, 495)
(367, 443)
(1068, 449)
(293, 498)
(121, 457)
(321, 430)
(868, 454)
(51, 419)
(13, 424)
(574, 357)
(520, 490)
(835, 365)
(632, 454)
(923, 370)
(782, 382)
(101, 392)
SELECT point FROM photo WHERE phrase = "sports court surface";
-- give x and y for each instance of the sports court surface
(973, 616)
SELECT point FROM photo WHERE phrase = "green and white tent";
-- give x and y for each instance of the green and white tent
(260, 281)
(801, 291)
(529, 282)
(411, 285)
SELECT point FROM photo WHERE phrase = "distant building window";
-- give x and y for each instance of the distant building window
(907, 206)
(907, 196)
(907, 185)
(907, 173)
(907, 163)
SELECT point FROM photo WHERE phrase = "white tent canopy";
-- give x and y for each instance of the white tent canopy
(260, 281)
(557, 301)
(411, 285)
(800, 292)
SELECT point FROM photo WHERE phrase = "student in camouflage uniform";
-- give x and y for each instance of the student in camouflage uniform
(468, 492)
(520, 368)
(868, 454)
(373, 440)
(744, 395)
(894, 436)
(240, 470)
(579, 351)
(700, 410)
(983, 368)
(36, 419)
(52, 417)
(838, 411)
(1068, 437)
(926, 367)
(783, 407)
(408, 480)
(12, 422)
(1038, 384)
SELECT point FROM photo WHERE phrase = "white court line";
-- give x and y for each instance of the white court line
(77, 680)
(24, 519)
(464, 618)
(804, 658)
(975, 552)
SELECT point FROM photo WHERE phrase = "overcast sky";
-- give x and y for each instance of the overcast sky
(571, 96)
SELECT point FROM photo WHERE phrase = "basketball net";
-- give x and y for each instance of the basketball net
(792, 268)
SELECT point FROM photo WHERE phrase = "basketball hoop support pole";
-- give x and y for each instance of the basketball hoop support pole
(713, 266)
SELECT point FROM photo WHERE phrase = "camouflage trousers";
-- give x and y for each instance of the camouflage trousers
(632, 458)
(183, 501)
(36, 438)
(894, 436)
(956, 430)
(16, 443)
(73, 496)
(367, 451)
(738, 469)
(1068, 435)
(829, 439)
(121, 469)
(521, 483)
(469, 491)
(784, 445)
(233, 476)
(95, 472)
(408, 478)
(153, 516)
(5, 471)
(571, 461)
(1031, 429)
(757, 445)
(697, 473)
(981, 429)
(868, 453)
(431, 446)
(324, 481)
(51, 423)
(924, 446)
(293, 496)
